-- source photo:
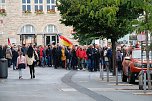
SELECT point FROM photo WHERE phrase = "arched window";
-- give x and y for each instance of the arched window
(50, 29)
(28, 29)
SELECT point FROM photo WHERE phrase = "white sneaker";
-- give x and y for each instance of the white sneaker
(83, 69)
(78, 69)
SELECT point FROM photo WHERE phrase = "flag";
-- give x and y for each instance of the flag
(9, 43)
(65, 41)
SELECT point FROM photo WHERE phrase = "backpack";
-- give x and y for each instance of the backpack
(8, 54)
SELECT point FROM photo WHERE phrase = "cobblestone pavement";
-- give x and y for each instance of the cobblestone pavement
(50, 85)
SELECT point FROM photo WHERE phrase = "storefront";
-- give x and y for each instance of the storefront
(28, 35)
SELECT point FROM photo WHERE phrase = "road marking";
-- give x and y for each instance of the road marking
(121, 84)
(92, 89)
(83, 81)
(68, 89)
(148, 93)
(101, 89)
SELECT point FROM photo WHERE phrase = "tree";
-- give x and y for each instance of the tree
(145, 25)
(111, 19)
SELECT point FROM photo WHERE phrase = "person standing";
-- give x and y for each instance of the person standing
(56, 57)
(49, 55)
(9, 55)
(96, 57)
(68, 58)
(30, 61)
(74, 58)
(63, 57)
(21, 64)
(119, 60)
(14, 58)
(24, 49)
(90, 58)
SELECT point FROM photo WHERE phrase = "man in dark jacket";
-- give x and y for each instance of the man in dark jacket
(24, 49)
(14, 58)
(96, 57)
(56, 54)
(90, 58)
(49, 55)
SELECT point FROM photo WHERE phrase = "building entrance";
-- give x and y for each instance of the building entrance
(28, 39)
(49, 39)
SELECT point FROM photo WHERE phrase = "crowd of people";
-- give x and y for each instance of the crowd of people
(58, 56)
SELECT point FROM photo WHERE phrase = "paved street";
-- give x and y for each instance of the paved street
(64, 85)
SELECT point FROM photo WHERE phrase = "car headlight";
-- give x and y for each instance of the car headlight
(137, 64)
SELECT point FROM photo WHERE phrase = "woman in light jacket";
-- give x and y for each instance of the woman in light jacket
(30, 61)
(21, 60)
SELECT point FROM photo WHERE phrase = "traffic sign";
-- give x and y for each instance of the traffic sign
(141, 37)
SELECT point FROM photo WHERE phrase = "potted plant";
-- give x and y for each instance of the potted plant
(27, 12)
(3, 12)
(39, 12)
(51, 11)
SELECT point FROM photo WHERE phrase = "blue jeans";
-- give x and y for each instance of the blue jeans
(43, 61)
(90, 64)
(49, 61)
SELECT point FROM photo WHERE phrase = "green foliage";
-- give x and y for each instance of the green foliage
(111, 19)
(145, 21)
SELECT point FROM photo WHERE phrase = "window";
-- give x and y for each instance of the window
(50, 29)
(38, 5)
(2, 4)
(51, 4)
(28, 29)
(26, 5)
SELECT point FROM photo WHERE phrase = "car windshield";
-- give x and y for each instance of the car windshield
(137, 54)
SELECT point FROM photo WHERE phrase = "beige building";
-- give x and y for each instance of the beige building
(31, 21)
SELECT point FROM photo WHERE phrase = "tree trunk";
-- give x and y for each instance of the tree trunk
(114, 55)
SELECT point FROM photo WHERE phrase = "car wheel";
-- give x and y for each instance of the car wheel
(124, 77)
(131, 77)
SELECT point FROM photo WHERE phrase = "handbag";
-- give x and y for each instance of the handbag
(21, 66)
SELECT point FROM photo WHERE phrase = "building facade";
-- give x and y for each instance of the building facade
(31, 21)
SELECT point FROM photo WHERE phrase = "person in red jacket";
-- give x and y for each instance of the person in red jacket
(81, 56)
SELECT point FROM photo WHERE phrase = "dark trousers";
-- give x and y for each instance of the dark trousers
(56, 62)
(49, 60)
(32, 70)
(96, 64)
(9, 62)
(119, 64)
(63, 64)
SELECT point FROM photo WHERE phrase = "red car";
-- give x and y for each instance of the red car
(133, 64)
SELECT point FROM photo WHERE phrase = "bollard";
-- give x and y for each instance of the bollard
(116, 76)
(107, 72)
(145, 81)
(101, 71)
(141, 77)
